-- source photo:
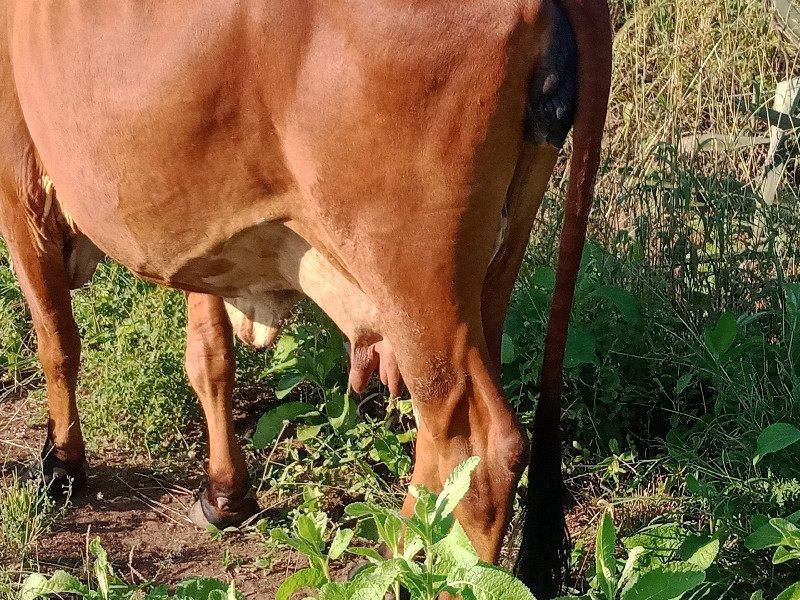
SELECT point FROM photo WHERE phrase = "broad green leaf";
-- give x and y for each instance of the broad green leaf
(790, 533)
(160, 592)
(683, 382)
(425, 506)
(622, 300)
(311, 578)
(271, 423)
(282, 355)
(605, 562)
(455, 487)
(279, 535)
(661, 540)
(720, 338)
(308, 529)
(774, 438)
(286, 384)
(702, 554)
(340, 543)
(790, 593)
(630, 564)
(694, 485)
(232, 593)
(336, 591)
(341, 409)
(757, 521)
(415, 579)
(759, 595)
(101, 568)
(371, 555)
(580, 348)
(368, 530)
(667, 582)
(373, 587)
(307, 548)
(370, 509)
(454, 551)
(507, 353)
(485, 582)
(412, 543)
(201, 587)
(765, 536)
(37, 585)
(389, 450)
(307, 432)
(390, 529)
(545, 278)
(784, 554)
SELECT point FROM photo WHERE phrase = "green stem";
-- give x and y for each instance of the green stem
(429, 572)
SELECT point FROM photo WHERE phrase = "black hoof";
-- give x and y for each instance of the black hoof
(58, 477)
(203, 513)
(59, 480)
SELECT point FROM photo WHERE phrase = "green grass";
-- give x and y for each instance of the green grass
(26, 516)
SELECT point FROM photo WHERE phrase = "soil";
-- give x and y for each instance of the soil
(140, 516)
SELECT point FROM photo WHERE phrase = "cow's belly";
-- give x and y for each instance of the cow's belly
(264, 270)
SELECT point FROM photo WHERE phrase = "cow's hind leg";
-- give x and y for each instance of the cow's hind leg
(463, 412)
(525, 196)
(431, 307)
(210, 365)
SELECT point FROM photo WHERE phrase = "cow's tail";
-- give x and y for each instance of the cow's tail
(543, 558)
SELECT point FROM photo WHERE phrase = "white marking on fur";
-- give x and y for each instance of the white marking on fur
(47, 186)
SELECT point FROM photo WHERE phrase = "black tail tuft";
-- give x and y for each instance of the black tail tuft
(544, 554)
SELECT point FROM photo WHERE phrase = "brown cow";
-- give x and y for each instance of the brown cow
(384, 157)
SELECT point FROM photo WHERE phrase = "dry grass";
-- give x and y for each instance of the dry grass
(685, 70)
(681, 66)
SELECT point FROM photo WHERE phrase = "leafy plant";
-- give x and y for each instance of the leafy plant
(447, 563)
(637, 579)
(784, 536)
(108, 586)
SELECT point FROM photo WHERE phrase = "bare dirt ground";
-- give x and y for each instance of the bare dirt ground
(140, 517)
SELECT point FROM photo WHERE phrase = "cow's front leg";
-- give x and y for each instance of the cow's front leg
(211, 366)
(37, 251)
